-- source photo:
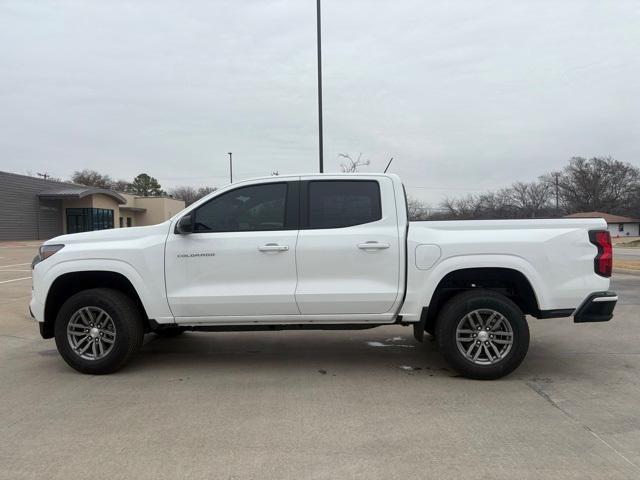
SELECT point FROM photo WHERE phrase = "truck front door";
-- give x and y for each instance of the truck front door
(240, 258)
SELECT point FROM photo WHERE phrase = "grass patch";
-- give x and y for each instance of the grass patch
(627, 264)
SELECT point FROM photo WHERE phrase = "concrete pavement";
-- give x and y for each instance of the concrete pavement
(626, 253)
(364, 404)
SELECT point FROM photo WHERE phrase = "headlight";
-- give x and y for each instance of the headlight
(45, 252)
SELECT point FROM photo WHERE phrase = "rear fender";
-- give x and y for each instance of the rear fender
(423, 283)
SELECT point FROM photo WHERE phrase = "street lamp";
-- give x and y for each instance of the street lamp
(230, 166)
(320, 141)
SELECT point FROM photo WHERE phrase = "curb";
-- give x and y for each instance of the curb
(626, 271)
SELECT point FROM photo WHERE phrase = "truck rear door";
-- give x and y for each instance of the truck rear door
(348, 248)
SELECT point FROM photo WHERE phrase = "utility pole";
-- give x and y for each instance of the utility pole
(320, 140)
(230, 166)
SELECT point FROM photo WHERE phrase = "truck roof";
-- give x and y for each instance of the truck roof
(321, 175)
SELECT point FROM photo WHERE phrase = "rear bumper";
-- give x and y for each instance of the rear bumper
(598, 307)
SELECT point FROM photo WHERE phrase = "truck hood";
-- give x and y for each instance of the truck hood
(112, 234)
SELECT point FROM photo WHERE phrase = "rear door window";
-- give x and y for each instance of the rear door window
(343, 203)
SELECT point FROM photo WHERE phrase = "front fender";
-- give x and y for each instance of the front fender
(150, 292)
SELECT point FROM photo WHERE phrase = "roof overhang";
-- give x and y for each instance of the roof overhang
(133, 209)
(77, 193)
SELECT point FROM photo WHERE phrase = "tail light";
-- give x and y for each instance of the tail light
(603, 263)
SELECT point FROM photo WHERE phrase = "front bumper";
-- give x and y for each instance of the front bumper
(598, 307)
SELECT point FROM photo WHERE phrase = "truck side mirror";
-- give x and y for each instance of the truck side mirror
(185, 225)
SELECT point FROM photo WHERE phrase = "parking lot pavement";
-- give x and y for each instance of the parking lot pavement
(363, 404)
(627, 253)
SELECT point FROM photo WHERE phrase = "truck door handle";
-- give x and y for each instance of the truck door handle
(273, 247)
(371, 245)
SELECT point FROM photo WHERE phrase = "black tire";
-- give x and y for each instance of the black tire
(169, 332)
(453, 313)
(126, 318)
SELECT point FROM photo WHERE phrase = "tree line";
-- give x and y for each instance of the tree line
(142, 185)
(584, 185)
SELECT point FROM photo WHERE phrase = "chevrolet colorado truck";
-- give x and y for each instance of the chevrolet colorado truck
(320, 251)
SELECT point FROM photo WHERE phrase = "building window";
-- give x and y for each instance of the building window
(621, 227)
(88, 219)
(129, 221)
(121, 222)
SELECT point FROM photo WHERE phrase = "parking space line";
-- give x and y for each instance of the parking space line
(15, 265)
(15, 270)
(15, 280)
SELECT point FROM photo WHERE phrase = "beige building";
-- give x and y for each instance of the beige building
(33, 208)
(138, 211)
(97, 209)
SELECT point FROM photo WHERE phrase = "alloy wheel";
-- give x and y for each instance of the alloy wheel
(91, 333)
(484, 336)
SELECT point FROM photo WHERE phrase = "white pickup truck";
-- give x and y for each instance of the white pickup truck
(320, 252)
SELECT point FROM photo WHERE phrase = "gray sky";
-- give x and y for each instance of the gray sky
(467, 96)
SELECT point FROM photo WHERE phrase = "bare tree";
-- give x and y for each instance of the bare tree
(91, 178)
(190, 194)
(120, 186)
(530, 200)
(417, 209)
(352, 164)
(599, 184)
(185, 193)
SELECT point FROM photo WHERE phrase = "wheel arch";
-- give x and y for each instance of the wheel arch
(510, 282)
(70, 283)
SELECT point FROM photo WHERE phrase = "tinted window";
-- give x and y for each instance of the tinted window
(342, 203)
(253, 208)
(87, 219)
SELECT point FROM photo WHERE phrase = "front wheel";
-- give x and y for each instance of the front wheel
(98, 330)
(482, 334)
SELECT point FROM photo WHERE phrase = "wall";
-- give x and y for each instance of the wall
(50, 219)
(158, 210)
(630, 230)
(22, 215)
(124, 213)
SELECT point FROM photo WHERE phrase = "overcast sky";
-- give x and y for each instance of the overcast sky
(466, 96)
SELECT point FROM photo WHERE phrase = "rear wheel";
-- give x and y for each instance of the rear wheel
(482, 334)
(97, 331)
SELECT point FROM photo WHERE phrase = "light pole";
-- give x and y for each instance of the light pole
(230, 167)
(320, 141)
(557, 194)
